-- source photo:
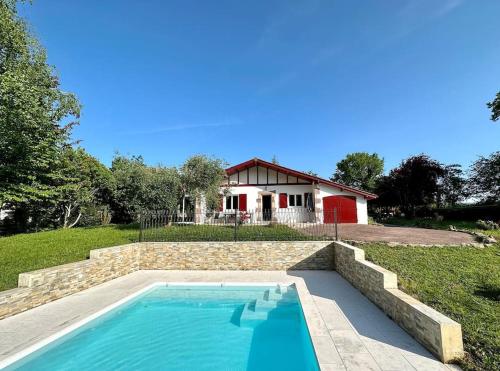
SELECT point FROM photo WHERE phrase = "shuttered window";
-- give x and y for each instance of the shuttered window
(283, 200)
(243, 202)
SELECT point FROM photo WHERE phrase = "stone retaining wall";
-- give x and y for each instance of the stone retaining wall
(438, 333)
(45, 285)
(242, 255)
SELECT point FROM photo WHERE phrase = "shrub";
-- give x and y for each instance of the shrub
(472, 213)
(424, 223)
(487, 225)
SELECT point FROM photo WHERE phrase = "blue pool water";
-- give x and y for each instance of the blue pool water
(189, 328)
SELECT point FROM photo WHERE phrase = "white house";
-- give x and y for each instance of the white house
(269, 192)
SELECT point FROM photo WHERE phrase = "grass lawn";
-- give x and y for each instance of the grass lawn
(31, 251)
(273, 232)
(461, 282)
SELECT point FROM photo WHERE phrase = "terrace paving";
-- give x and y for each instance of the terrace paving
(348, 331)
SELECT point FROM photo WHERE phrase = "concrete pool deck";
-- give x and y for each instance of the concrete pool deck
(348, 331)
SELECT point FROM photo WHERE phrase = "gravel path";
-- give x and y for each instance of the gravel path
(404, 235)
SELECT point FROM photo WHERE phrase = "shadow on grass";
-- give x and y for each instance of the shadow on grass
(489, 292)
(131, 226)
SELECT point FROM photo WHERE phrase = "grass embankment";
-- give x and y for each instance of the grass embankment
(461, 282)
(31, 251)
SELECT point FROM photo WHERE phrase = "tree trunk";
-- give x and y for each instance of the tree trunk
(76, 221)
(183, 206)
(67, 215)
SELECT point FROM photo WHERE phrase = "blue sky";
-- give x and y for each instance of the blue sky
(307, 81)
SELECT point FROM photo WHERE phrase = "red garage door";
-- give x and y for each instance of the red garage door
(346, 209)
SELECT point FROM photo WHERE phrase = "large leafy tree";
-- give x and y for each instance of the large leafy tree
(130, 177)
(140, 187)
(452, 186)
(35, 115)
(485, 178)
(413, 183)
(494, 106)
(202, 176)
(360, 170)
(162, 189)
(86, 185)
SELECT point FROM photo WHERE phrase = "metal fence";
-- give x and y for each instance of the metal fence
(254, 225)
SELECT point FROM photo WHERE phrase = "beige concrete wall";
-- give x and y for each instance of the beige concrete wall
(45, 285)
(438, 333)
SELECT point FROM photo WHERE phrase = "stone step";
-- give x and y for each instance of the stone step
(265, 305)
(273, 294)
(282, 289)
(250, 317)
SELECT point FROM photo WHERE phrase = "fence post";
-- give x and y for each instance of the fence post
(235, 225)
(141, 227)
(335, 221)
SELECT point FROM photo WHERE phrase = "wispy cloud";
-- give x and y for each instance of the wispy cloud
(428, 8)
(183, 127)
(446, 7)
(287, 77)
(413, 15)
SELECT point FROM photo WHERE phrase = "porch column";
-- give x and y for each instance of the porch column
(318, 204)
(199, 210)
(258, 210)
(273, 208)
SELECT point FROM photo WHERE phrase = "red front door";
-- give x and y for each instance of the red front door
(345, 206)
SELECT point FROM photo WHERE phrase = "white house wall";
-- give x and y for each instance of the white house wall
(361, 204)
(261, 175)
(282, 215)
(252, 193)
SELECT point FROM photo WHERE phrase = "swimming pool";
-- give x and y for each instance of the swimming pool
(196, 327)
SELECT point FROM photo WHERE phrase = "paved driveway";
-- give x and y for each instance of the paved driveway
(404, 235)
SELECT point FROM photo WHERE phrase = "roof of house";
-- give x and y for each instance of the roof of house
(312, 178)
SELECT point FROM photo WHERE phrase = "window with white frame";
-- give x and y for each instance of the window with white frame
(295, 200)
(231, 202)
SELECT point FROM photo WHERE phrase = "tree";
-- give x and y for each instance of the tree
(130, 177)
(86, 185)
(140, 187)
(385, 189)
(202, 176)
(451, 188)
(416, 182)
(34, 115)
(162, 189)
(274, 160)
(360, 170)
(484, 178)
(310, 172)
(494, 106)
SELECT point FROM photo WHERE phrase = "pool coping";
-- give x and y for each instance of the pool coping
(309, 312)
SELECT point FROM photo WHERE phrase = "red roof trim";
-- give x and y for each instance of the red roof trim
(314, 179)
